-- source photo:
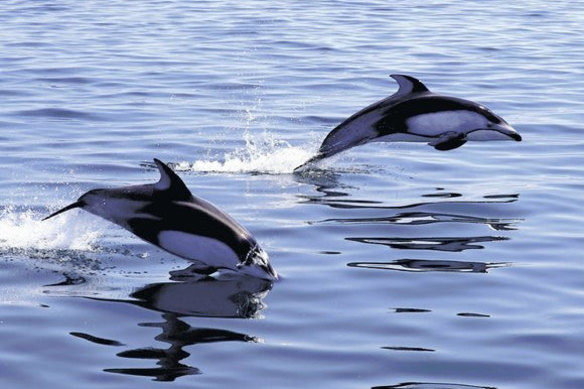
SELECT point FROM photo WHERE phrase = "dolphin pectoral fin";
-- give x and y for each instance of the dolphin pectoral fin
(449, 141)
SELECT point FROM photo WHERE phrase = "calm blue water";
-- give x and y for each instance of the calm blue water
(402, 267)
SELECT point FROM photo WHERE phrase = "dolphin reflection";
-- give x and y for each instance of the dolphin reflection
(423, 218)
(426, 265)
(453, 244)
(431, 385)
(188, 294)
(178, 334)
(193, 295)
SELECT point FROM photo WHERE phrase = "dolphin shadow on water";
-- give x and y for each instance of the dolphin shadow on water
(415, 114)
(189, 294)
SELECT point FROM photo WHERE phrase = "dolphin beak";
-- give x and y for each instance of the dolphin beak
(77, 204)
(506, 129)
(270, 270)
(261, 260)
(516, 136)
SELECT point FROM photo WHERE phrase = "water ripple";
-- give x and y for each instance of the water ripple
(60, 114)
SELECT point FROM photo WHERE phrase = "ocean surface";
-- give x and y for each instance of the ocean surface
(401, 266)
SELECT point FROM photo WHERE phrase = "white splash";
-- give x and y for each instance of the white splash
(263, 154)
(25, 230)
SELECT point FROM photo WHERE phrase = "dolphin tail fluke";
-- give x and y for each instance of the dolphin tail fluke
(76, 204)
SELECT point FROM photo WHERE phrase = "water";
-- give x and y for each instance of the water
(402, 267)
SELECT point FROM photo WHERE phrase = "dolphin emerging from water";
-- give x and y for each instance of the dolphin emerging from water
(415, 114)
(167, 215)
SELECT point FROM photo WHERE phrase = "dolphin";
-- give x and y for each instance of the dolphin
(167, 215)
(415, 114)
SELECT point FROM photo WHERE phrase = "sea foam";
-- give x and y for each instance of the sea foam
(24, 230)
(262, 154)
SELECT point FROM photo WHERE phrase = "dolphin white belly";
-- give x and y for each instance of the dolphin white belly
(435, 123)
(196, 247)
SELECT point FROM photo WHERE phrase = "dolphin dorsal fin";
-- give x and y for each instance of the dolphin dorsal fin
(170, 183)
(408, 85)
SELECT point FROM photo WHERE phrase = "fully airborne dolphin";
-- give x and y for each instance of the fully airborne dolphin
(167, 215)
(414, 114)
